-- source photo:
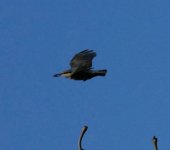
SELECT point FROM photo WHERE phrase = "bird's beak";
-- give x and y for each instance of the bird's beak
(57, 75)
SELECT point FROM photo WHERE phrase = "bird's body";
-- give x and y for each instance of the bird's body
(81, 67)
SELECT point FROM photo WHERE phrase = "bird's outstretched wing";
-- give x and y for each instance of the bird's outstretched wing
(82, 60)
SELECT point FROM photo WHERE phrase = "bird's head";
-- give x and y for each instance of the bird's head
(66, 73)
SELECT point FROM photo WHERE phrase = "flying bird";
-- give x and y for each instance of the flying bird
(81, 67)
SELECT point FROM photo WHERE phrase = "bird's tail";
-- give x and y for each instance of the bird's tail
(100, 72)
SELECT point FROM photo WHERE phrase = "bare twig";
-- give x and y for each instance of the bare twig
(155, 142)
(84, 129)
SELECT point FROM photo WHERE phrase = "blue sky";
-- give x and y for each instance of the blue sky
(123, 110)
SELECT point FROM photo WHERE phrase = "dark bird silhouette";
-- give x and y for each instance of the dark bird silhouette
(81, 67)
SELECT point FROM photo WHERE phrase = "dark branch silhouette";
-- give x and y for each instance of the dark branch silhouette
(84, 129)
(155, 142)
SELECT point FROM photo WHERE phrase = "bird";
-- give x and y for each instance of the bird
(81, 67)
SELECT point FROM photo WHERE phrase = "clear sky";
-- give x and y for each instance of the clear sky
(123, 110)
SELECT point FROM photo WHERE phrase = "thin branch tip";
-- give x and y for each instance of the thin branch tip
(84, 129)
(155, 142)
